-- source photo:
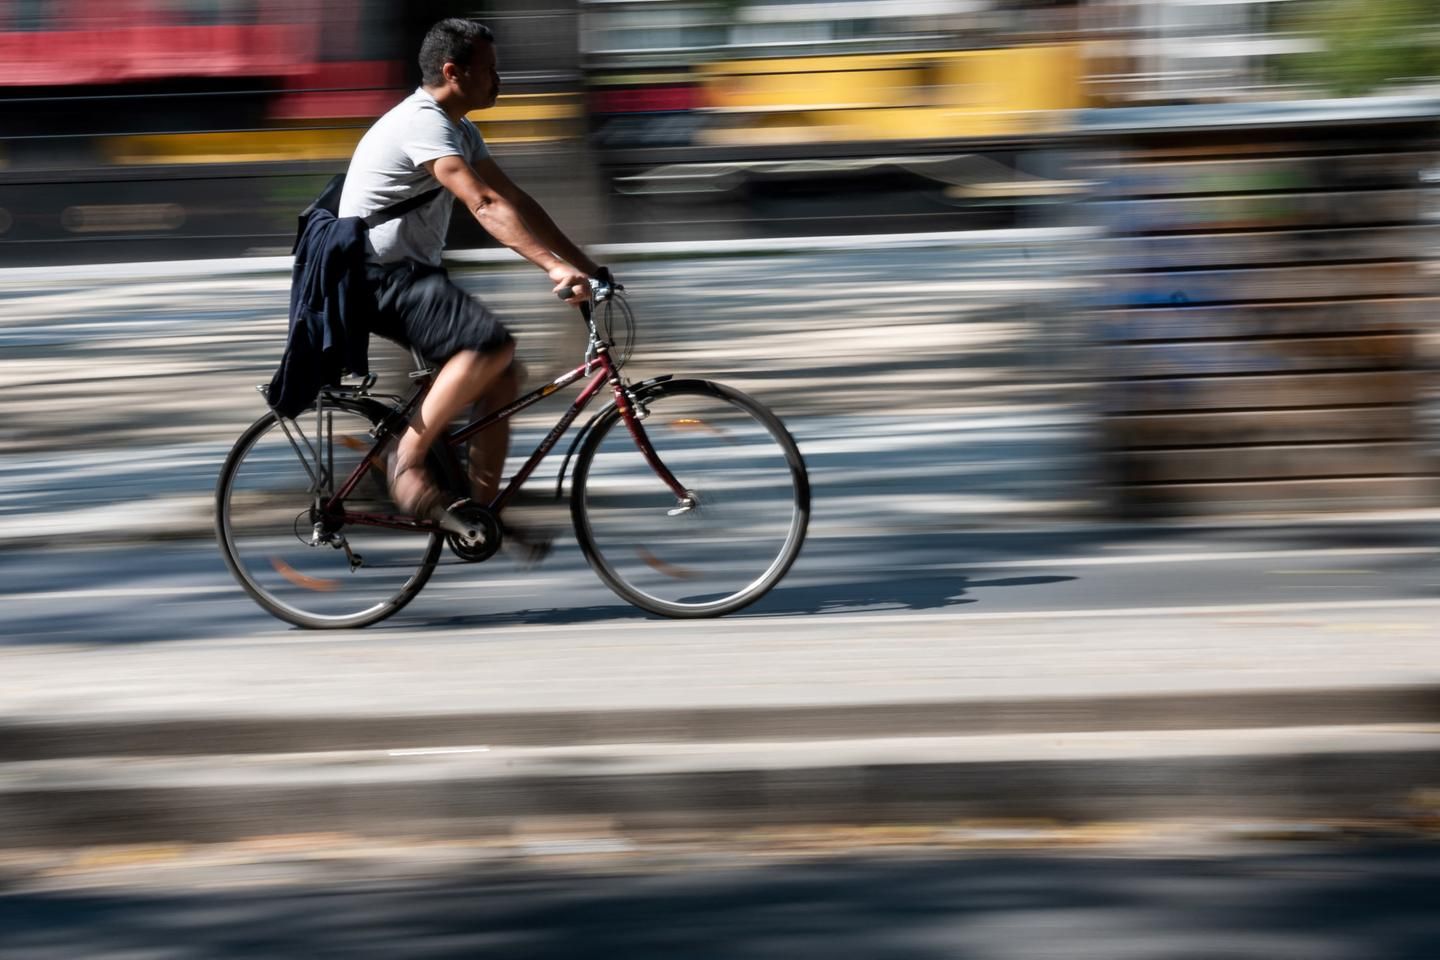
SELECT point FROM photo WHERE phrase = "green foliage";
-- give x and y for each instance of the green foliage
(1368, 43)
(731, 8)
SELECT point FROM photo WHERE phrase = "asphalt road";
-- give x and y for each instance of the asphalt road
(1362, 902)
(160, 630)
(180, 590)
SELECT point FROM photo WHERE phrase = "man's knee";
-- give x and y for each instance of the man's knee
(486, 362)
(514, 374)
(499, 360)
(503, 389)
(486, 377)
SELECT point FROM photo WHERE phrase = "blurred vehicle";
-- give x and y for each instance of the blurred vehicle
(136, 129)
(800, 118)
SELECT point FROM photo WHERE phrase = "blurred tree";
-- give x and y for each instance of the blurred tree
(1367, 44)
(729, 9)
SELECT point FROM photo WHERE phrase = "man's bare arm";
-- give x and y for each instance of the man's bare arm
(534, 215)
(499, 215)
(492, 210)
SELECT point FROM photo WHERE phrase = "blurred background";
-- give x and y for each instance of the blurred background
(1107, 331)
(142, 130)
(1205, 190)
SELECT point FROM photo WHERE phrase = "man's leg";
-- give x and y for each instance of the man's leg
(463, 379)
(489, 447)
(528, 537)
(421, 307)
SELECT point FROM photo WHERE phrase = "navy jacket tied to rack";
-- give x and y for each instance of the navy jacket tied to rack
(331, 305)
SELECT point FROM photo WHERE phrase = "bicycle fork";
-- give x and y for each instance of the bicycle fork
(632, 411)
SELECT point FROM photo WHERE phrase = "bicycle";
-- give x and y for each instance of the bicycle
(696, 509)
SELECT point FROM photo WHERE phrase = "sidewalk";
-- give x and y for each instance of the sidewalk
(1334, 712)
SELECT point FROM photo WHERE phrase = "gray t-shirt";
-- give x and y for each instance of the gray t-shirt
(389, 166)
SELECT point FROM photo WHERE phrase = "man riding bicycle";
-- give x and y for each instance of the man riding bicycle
(697, 512)
(424, 140)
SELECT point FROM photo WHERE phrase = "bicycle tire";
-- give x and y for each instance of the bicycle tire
(251, 572)
(758, 456)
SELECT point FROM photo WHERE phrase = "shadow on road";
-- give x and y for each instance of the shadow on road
(903, 590)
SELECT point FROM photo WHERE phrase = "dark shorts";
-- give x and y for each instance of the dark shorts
(419, 306)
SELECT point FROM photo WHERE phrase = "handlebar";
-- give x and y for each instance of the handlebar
(600, 291)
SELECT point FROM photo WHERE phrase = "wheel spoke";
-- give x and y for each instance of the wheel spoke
(344, 575)
(701, 557)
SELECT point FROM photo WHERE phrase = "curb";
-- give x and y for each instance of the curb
(1332, 772)
(182, 736)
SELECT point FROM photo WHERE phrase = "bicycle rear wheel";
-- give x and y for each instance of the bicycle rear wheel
(264, 519)
(751, 491)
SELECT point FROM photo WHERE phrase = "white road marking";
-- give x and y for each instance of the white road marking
(1319, 572)
(1197, 557)
(1052, 563)
(959, 618)
(122, 593)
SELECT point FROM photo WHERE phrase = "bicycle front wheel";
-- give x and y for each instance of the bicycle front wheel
(265, 514)
(750, 512)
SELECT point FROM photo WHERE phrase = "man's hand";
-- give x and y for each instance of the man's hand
(573, 284)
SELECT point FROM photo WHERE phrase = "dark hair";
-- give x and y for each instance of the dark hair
(449, 41)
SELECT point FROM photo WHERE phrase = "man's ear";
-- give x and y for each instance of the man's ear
(449, 71)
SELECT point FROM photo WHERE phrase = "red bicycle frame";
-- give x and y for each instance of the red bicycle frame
(605, 372)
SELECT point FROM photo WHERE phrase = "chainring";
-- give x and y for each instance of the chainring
(481, 519)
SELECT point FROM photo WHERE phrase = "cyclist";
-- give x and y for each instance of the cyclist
(424, 140)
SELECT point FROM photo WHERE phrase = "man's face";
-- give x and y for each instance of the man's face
(480, 82)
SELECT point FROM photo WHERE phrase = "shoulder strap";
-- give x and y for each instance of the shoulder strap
(329, 199)
(401, 208)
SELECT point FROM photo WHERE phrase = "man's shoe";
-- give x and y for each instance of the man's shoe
(528, 547)
(530, 523)
(416, 494)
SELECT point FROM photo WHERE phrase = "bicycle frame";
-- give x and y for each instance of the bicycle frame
(605, 372)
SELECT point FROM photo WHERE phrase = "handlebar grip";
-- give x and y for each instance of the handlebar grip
(599, 290)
